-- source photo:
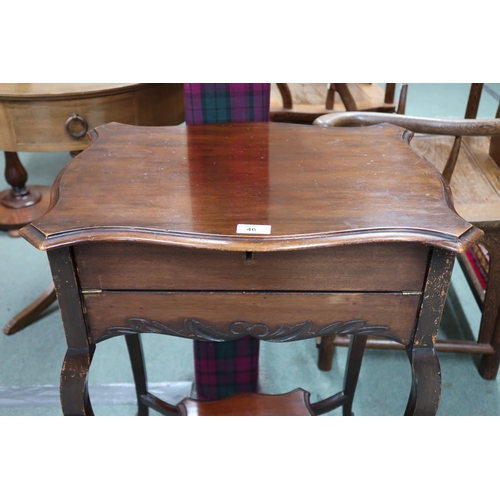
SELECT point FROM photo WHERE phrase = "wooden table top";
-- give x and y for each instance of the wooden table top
(58, 90)
(193, 185)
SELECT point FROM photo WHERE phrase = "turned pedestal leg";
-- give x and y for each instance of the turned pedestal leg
(21, 204)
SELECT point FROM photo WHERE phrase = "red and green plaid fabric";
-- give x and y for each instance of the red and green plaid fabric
(479, 258)
(226, 102)
(225, 368)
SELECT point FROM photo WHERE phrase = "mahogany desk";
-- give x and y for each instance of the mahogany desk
(163, 230)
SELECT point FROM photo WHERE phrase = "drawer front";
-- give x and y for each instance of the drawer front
(269, 316)
(39, 125)
(133, 266)
(42, 124)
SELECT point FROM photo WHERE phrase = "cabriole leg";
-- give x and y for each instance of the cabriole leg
(75, 398)
(426, 373)
(426, 382)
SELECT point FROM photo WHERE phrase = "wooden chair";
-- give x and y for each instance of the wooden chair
(304, 102)
(467, 152)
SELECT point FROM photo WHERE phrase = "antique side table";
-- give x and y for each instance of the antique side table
(284, 232)
(48, 117)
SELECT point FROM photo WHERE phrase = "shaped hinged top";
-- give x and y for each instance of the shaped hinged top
(193, 185)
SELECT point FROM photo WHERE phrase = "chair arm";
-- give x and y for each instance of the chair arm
(479, 127)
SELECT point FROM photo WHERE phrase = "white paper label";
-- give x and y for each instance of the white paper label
(253, 229)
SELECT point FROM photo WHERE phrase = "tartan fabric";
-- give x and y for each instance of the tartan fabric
(479, 258)
(226, 102)
(225, 368)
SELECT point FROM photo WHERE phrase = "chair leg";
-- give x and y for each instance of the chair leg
(354, 359)
(134, 347)
(489, 331)
(326, 350)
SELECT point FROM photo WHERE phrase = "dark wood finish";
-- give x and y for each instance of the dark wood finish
(346, 96)
(470, 112)
(20, 204)
(326, 346)
(489, 330)
(101, 267)
(354, 357)
(292, 404)
(145, 400)
(329, 404)
(349, 251)
(109, 313)
(494, 151)
(403, 94)
(286, 95)
(15, 218)
(473, 173)
(74, 389)
(337, 174)
(20, 196)
(304, 102)
(426, 374)
(474, 99)
(457, 346)
(134, 347)
(151, 401)
(390, 93)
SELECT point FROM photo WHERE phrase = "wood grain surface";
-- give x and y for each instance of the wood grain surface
(307, 101)
(295, 403)
(61, 90)
(219, 310)
(192, 186)
(475, 183)
(136, 266)
(33, 116)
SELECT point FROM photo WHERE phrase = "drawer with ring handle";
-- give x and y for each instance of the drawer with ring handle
(76, 126)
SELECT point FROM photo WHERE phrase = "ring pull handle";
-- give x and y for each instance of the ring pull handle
(76, 118)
